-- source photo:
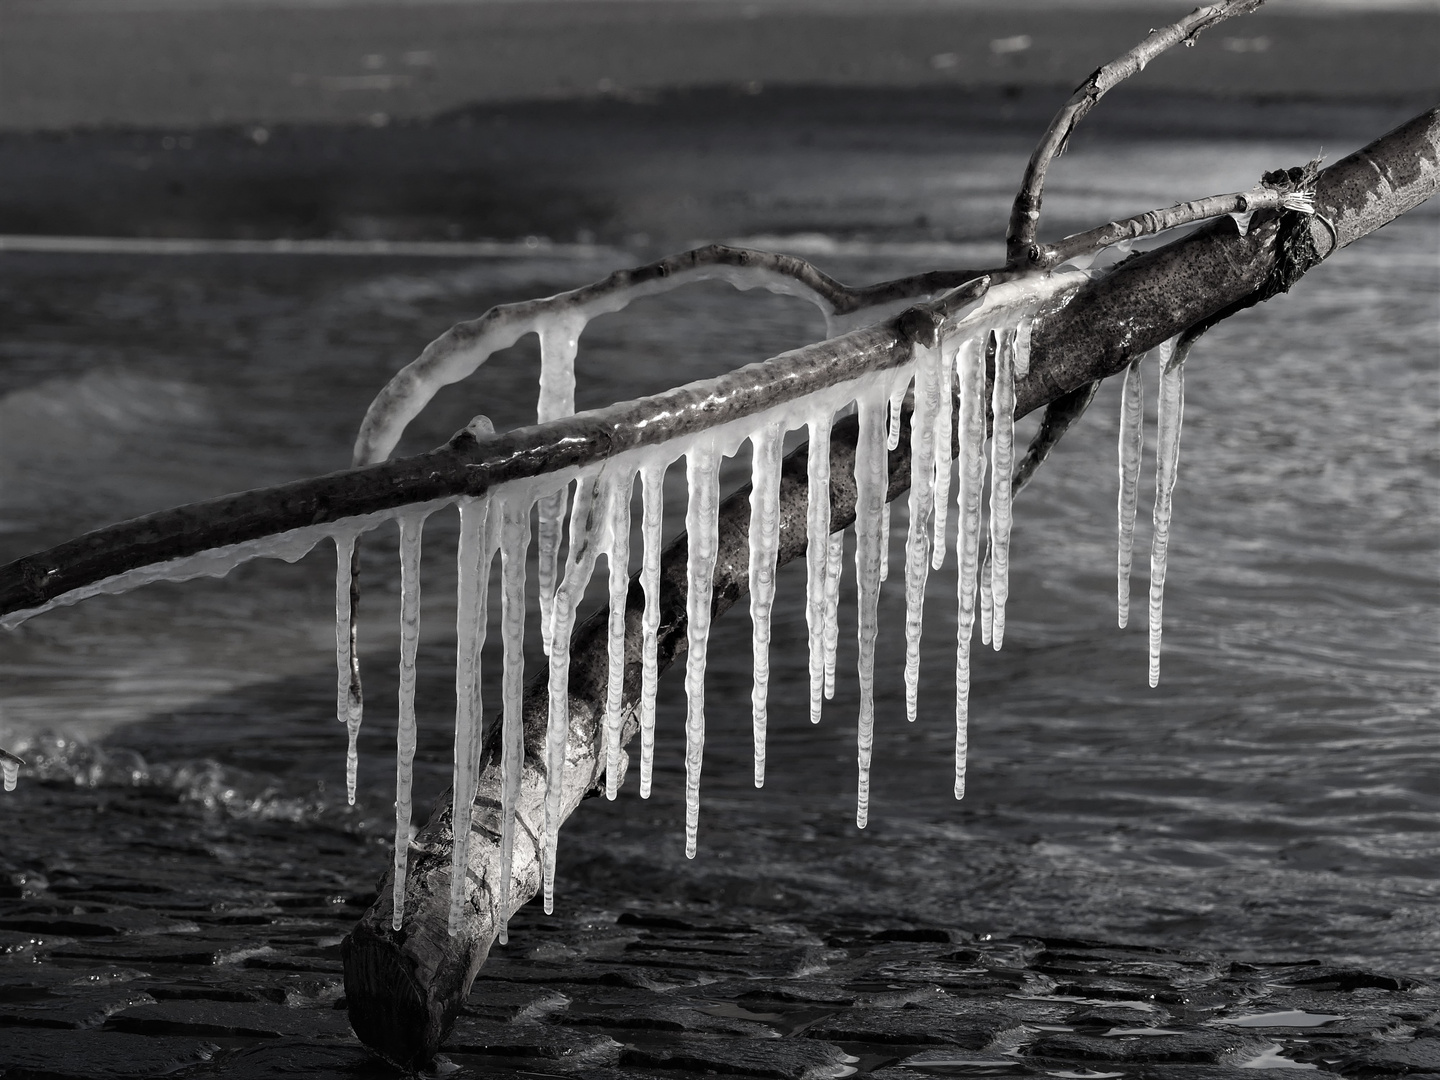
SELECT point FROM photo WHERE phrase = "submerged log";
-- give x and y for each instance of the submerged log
(404, 988)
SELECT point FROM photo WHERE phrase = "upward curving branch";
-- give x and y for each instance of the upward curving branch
(1020, 247)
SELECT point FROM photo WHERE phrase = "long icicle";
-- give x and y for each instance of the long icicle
(1167, 459)
(871, 474)
(971, 357)
(817, 542)
(559, 344)
(702, 470)
(349, 704)
(885, 541)
(922, 492)
(473, 560)
(411, 531)
(944, 426)
(549, 524)
(618, 557)
(587, 525)
(514, 548)
(1132, 444)
(652, 479)
(766, 448)
(834, 560)
(1002, 455)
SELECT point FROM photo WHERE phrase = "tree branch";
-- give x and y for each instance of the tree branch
(1020, 248)
(404, 988)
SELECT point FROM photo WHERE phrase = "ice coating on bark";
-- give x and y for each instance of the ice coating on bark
(817, 551)
(944, 421)
(1132, 443)
(289, 547)
(411, 532)
(922, 492)
(971, 422)
(1002, 456)
(514, 544)
(652, 484)
(1021, 358)
(587, 533)
(767, 446)
(461, 350)
(473, 558)
(618, 558)
(871, 476)
(834, 561)
(702, 471)
(1167, 458)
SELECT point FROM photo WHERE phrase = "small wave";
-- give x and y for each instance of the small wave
(211, 787)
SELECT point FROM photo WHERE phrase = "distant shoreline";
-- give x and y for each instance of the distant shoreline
(202, 63)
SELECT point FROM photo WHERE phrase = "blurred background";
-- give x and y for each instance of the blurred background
(1276, 796)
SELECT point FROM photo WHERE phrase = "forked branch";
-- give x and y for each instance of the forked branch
(1020, 248)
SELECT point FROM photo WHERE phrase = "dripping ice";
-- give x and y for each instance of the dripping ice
(955, 412)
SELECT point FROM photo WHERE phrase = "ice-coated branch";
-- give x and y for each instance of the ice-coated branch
(456, 353)
(403, 989)
(1020, 247)
(1143, 302)
(1172, 217)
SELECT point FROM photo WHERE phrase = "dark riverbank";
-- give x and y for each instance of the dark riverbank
(236, 974)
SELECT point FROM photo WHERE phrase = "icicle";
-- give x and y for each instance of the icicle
(1002, 452)
(944, 423)
(349, 704)
(10, 768)
(559, 343)
(1242, 221)
(473, 559)
(834, 560)
(514, 546)
(885, 542)
(1167, 458)
(1022, 348)
(550, 522)
(702, 470)
(766, 447)
(971, 358)
(987, 598)
(587, 525)
(411, 530)
(652, 483)
(1132, 443)
(817, 553)
(897, 405)
(922, 491)
(618, 558)
(871, 476)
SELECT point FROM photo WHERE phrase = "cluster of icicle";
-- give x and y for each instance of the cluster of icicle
(599, 515)
(947, 383)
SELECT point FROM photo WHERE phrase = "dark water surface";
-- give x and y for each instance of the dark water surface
(1276, 797)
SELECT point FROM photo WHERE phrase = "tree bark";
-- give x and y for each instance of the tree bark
(404, 988)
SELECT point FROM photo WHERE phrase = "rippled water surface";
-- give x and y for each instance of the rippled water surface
(1277, 795)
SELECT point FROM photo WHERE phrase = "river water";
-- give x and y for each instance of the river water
(1276, 796)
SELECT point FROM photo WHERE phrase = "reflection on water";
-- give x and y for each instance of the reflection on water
(1276, 794)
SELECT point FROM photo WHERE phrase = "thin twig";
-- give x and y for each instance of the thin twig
(1172, 217)
(1020, 247)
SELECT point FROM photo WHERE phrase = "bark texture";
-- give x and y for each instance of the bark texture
(404, 988)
